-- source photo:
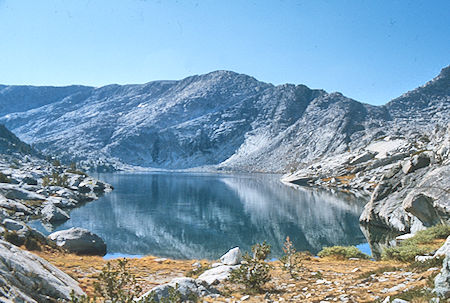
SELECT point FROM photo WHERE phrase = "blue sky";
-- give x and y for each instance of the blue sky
(371, 51)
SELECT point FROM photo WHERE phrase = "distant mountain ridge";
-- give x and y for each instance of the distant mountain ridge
(221, 119)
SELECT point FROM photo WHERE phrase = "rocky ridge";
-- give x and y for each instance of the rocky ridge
(403, 169)
(405, 179)
(221, 120)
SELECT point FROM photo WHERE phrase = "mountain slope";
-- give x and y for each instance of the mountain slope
(9, 143)
(221, 119)
(22, 98)
(428, 103)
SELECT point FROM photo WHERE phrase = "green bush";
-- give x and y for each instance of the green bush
(403, 253)
(254, 272)
(32, 244)
(420, 244)
(342, 252)
(428, 235)
(13, 238)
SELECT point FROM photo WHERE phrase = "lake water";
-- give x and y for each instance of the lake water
(187, 216)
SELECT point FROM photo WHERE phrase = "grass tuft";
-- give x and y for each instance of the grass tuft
(423, 243)
(342, 252)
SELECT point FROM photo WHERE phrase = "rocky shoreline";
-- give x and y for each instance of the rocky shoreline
(405, 178)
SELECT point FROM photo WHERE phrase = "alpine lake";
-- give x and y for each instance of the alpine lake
(202, 215)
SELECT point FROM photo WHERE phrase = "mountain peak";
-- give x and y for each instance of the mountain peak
(445, 73)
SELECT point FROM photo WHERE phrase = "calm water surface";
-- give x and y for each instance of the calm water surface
(182, 215)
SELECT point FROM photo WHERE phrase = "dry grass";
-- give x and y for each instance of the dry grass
(342, 179)
(341, 274)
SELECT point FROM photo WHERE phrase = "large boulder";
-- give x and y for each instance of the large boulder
(442, 280)
(417, 161)
(364, 157)
(80, 241)
(25, 277)
(13, 205)
(232, 257)
(91, 185)
(30, 180)
(429, 201)
(62, 202)
(217, 274)
(53, 214)
(421, 206)
(13, 191)
(13, 225)
(408, 203)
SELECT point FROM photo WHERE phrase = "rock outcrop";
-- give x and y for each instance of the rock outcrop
(232, 257)
(25, 277)
(203, 286)
(52, 214)
(406, 178)
(442, 280)
(80, 241)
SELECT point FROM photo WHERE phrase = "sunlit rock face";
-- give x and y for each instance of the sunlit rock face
(224, 119)
(203, 216)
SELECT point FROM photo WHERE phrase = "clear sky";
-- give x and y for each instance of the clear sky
(369, 50)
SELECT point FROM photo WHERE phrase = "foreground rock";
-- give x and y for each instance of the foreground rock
(232, 257)
(80, 241)
(187, 287)
(442, 280)
(221, 271)
(217, 274)
(25, 277)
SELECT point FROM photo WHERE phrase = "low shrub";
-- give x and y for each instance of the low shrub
(197, 271)
(342, 252)
(13, 238)
(404, 253)
(428, 235)
(416, 294)
(254, 272)
(425, 265)
(55, 180)
(421, 244)
(32, 244)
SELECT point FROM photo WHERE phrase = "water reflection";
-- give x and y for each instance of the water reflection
(203, 215)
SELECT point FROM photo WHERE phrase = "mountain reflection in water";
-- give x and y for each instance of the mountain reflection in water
(193, 216)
